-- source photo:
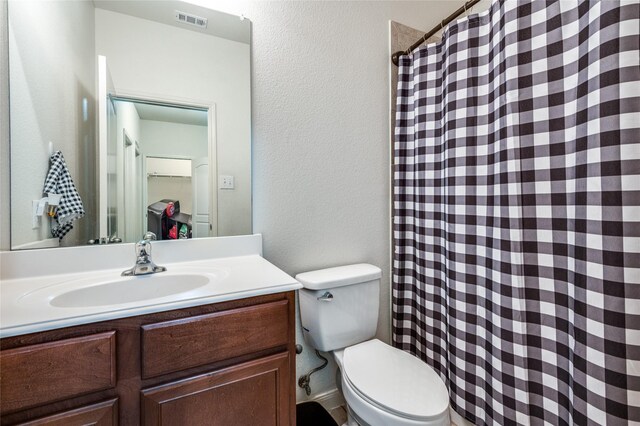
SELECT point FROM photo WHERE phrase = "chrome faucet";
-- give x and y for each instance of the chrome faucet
(144, 265)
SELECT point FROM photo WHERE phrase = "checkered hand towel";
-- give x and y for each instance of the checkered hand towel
(59, 182)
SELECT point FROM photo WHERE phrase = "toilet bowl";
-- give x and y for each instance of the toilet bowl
(382, 385)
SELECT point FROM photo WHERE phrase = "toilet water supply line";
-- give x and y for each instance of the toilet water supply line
(305, 380)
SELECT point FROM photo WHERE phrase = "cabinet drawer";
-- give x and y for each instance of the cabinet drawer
(252, 393)
(190, 342)
(100, 414)
(47, 372)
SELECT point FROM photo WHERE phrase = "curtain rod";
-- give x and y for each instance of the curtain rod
(395, 58)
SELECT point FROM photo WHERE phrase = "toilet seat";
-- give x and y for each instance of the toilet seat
(394, 381)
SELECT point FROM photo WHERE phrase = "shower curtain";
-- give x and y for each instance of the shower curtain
(516, 227)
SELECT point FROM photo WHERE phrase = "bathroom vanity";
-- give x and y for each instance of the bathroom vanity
(209, 341)
(219, 354)
(220, 364)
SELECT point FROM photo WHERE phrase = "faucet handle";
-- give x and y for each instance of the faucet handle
(149, 236)
(143, 248)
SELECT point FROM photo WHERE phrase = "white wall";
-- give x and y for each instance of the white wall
(321, 149)
(146, 57)
(52, 67)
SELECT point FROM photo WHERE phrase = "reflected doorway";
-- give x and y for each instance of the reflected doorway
(162, 173)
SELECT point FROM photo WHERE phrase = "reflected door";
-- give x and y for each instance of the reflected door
(201, 226)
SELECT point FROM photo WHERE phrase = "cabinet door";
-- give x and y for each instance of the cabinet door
(252, 393)
(101, 414)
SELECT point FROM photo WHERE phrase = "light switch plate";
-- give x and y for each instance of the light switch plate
(226, 182)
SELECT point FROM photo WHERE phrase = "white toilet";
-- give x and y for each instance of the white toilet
(383, 386)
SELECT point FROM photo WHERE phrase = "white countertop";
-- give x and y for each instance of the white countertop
(25, 302)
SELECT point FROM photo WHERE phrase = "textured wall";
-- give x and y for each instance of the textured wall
(321, 149)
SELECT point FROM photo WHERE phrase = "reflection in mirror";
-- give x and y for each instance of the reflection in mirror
(161, 180)
(151, 114)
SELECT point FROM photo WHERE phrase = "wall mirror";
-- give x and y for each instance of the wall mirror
(127, 117)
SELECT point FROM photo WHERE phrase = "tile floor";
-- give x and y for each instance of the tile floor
(339, 414)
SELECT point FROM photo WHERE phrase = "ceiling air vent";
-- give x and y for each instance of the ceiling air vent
(187, 18)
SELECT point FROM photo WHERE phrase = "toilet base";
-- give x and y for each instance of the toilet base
(353, 419)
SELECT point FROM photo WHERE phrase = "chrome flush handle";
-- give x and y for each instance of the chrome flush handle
(326, 297)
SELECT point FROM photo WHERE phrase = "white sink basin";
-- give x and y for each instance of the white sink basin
(79, 285)
(130, 289)
(111, 290)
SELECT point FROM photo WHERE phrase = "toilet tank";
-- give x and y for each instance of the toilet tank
(339, 306)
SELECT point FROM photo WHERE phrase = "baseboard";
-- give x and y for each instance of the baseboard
(330, 399)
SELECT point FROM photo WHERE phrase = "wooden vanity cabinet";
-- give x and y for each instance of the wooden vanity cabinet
(229, 363)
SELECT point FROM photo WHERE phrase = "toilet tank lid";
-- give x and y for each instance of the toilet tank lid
(339, 276)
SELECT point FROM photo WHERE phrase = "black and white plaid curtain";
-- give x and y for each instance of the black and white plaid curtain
(516, 268)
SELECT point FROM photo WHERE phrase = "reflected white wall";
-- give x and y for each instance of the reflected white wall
(52, 72)
(173, 140)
